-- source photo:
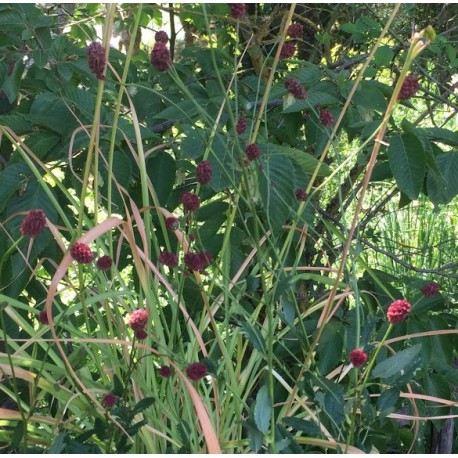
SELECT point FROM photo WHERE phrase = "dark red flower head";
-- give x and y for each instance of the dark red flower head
(252, 151)
(409, 87)
(161, 37)
(104, 263)
(138, 320)
(33, 223)
(109, 400)
(160, 57)
(287, 50)
(172, 223)
(96, 59)
(204, 172)
(295, 87)
(169, 259)
(141, 334)
(197, 261)
(241, 125)
(430, 289)
(43, 317)
(301, 195)
(358, 358)
(190, 201)
(196, 371)
(326, 118)
(237, 10)
(398, 311)
(165, 371)
(81, 253)
(295, 30)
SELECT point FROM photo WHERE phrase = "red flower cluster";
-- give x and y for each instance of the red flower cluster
(43, 317)
(295, 87)
(81, 253)
(204, 172)
(295, 30)
(160, 57)
(161, 37)
(141, 334)
(409, 87)
(104, 263)
(287, 50)
(241, 125)
(190, 201)
(138, 320)
(165, 371)
(198, 261)
(430, 289)
(33, 223)
(326, 118)
(169, 259)
(301, 194)
(96, 59)
(109, 400)
(196, 371)
(358, 358)
(398, 311)
(252, 152)
(237, 10)
(172, 223)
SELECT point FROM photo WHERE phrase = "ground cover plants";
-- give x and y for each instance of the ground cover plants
(238, 235)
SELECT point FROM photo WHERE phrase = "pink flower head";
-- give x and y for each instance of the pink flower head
(204, 172)
(237, 10)
(409, 87)
(165, 371)
(161, 37)
(197, 261)
(430, 289)
(81, 253)
(169, 259)
(138, 320)
(295, 30)
(287, 50)
(301, 195)
(398, 311)
(96, 59)
(241, 125)
(33, 223)
(252, 152)
(326, 118)
(358, 358)
(190, 201)
(104, 263)
(141, 334)
(43, 317)
(196, 371)
(160, 57)
(109, 400)
(172, 223)
(295, 87)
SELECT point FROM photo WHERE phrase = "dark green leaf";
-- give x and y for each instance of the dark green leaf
(383, 56)
(263, 410)
(58, 444)
(306, 161)
(396, 364)
(305, 426)
(161, 170)
(443, 186)
(12, 83)
(408, 163)
(254, 336)
(386, 403)
(143, 404)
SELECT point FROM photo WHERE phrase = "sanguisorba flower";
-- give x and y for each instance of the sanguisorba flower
(81, 253)
(326, 118)
(237, 10)
(165, 371)
(196, 371)
(409, 87)
(190, 201)
(398, 311)
(430, 289)
(295, 88)
(168, 258)
(295, 30)
(301, 195)
(160, 57)
(138, 320)
(252, 152)
(287, 50)
(43, 317)
(96, 59)
(104, 263)
(204, 172)
(33, 223)
(172, 223)
(109, 400)
(241, 125)
(357, 357)
(161, 37)
(141, 334)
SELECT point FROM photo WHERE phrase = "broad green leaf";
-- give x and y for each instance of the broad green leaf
(408, 163)
(443, 186)
(263, 410)
(449, 137)
(370, 97)
(276, 186)
(41, 143)
(331, 398)
(383, 56)
(313, 98)
(193, 145)
(396, 364)
(306, 161)
(330, 347)
(161, 170)
(12, 83)
(305, 426)
(254, 336)
(386, 403)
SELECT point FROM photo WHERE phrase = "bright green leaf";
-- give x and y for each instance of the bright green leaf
(263, 410)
